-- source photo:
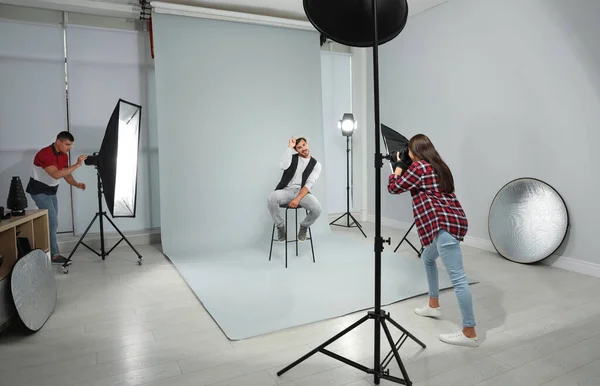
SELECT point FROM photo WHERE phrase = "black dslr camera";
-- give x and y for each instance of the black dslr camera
(404, 162)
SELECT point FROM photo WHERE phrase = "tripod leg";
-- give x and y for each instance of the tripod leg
(399, 327)
(331, 223)
(65, 266)
(327, 343)
(358, 225)
(395, 351)
(404, 238)
(124, 238)
(80, 240)
(412, 246)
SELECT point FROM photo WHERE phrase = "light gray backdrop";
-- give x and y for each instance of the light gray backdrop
(229, 97)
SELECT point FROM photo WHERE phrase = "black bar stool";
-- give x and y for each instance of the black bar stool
(286, 231)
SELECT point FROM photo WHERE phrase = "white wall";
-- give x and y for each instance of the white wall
(363, 164)
(103, 66)
(504, 90)
(32, 103)
(336, 83)
(108, 58)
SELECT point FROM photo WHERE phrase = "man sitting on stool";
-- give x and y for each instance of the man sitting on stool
(301, 171)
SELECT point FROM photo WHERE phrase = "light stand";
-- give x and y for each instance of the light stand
(99, 215)
(380, 316)
(419, 252)
(116, 171)
(347, 126)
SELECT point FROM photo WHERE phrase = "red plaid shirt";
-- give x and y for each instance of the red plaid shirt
(433, 210)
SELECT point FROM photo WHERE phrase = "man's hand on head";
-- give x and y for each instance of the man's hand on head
(292, 143)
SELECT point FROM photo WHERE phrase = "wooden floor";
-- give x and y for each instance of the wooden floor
(117, 323)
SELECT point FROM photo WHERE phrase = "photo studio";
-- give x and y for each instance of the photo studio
(299, 192)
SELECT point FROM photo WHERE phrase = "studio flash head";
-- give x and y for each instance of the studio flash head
(395, 143)
(91, 160)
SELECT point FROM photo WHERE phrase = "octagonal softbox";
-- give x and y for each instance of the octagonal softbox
(350, 22)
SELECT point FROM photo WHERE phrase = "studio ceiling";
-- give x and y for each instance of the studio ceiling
(291, 9)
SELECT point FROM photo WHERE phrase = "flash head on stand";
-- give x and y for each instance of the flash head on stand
(92, 160)
(395, 143)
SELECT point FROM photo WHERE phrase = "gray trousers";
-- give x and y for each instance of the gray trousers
(284, 196)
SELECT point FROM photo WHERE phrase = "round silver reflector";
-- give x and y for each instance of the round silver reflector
(528, 220)
(33, 289)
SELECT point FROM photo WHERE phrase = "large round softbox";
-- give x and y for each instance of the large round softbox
(350, 22)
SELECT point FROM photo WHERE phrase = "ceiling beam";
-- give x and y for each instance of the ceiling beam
(94, 7)
(217, 14)
(131, 11)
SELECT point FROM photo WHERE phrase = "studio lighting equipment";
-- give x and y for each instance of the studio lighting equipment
(397, 143)
(348, 125)
(116, 172)
(17, 200)
(365, 23)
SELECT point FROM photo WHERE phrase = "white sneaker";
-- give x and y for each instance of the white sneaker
(459, 339)
(428, 311)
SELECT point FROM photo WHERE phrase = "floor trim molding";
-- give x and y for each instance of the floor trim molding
(574, 265)
(562, 262)
(66, 242)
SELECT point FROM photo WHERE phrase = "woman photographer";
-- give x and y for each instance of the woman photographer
(441, 224)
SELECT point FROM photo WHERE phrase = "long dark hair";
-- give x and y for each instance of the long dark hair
(420, 145)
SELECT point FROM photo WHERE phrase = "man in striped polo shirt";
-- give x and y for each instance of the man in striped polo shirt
(50, 165)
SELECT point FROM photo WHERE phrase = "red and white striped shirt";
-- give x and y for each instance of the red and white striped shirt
(433, 210)
(40, 181)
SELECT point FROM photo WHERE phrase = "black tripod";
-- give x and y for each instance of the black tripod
(99, 215)
(419, 252)
(380, 317)
(348, 214)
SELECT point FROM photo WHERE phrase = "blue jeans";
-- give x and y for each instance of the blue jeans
(446, 246)
(49, 202)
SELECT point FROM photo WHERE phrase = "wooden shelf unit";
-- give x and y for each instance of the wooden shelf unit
(34, 225)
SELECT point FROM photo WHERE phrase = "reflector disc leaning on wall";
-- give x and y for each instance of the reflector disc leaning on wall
(528, 220)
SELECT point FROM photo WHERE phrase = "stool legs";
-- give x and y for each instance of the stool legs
(296, 240)
(272, 239)
(286, 233)
(311, 244)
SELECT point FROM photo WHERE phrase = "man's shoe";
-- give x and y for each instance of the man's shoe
(281, 234)
(302, 233)
(59, 260)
